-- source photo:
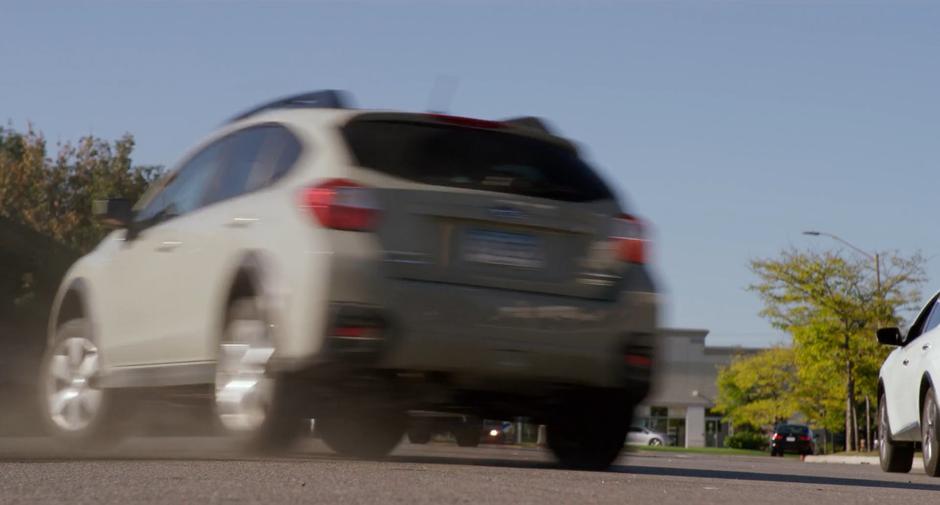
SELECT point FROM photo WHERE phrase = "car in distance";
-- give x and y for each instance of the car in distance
(638, 435)
(797, 438)
(309, 260)
(907, 396)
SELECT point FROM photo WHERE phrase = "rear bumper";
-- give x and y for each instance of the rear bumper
(800, 447)
(487, 339)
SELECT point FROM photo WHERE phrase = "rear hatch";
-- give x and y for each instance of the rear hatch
(486, 204)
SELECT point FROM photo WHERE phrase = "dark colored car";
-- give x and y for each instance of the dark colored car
(796, 438)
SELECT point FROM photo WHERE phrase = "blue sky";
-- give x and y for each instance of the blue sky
(732, 126)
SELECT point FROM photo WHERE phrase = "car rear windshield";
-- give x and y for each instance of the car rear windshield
(474, 158)
(791, 429)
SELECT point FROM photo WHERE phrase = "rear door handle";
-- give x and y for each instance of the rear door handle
(168, 245)
(906, 362)
(241, 222)
(925, 347)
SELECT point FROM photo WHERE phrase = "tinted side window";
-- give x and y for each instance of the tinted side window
(920, 324)
(278, 154)
(934, 319)
(185, 190)
(255, 158)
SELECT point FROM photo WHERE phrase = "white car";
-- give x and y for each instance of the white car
(908, 399)
(308, 260)
(638, 435)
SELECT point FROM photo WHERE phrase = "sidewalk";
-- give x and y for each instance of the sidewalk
(856, 460)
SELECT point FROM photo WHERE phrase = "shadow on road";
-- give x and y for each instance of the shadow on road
(770, 477)
(299, 457)
(682, 472)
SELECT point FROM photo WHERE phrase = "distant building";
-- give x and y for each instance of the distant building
(684, 389)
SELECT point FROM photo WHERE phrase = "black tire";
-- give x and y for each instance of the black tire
(655, 442)
(283, 424)
(467, 433)
(929, 436)
(365, 434)
(106, 423)
(895, 457)
(590, 432)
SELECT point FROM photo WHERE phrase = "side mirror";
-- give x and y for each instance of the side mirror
(889, 336)
(113, 212)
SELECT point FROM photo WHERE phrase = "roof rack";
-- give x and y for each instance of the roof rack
(324, 99)
(530, 122)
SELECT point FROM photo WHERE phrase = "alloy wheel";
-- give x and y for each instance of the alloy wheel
(243, 392)
(72, 401)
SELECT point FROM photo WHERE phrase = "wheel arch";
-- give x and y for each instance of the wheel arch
(254, 274)
(72, 301)
(926, 382)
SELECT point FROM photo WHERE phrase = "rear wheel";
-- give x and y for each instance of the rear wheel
(251, 404)
(367, 434)
(655, 442)
(591, 431)
(74, 409)
(895, 457)
(929, 435)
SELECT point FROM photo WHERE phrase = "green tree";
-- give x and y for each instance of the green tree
(54, 196)
(758, 389)
(831, 305)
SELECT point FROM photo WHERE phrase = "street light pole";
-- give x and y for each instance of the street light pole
(876, 257)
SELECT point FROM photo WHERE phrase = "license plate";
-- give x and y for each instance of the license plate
(503, 248)
(791, 439)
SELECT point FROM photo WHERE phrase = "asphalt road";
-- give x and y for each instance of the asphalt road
(206, 470)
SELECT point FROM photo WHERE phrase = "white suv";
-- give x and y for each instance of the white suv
(908, 400)
(362, 268)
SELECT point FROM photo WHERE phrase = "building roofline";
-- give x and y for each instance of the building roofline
(685, 332)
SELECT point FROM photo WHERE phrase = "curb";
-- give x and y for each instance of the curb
(855, 460)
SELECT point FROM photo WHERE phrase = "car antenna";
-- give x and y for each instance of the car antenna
(442, 93)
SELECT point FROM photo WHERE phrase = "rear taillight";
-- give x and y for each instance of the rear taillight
(629, 239)
(638, 360)
(342, 205)
(804, 438)
(778, 436)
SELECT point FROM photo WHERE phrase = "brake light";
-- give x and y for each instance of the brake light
(638, 360)
(342, 205)
(629, 239)
(778, 436)
(804, 438)
(357, 332)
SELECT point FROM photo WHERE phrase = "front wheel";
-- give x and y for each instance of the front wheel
(74, 409)
(591, 431)
(894, 457)
(929, 435)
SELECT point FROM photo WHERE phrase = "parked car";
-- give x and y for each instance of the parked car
(309, 260)
(465, 430)
(794, 438)
(907, 398)
(644, 436)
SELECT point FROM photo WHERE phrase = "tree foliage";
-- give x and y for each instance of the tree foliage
(46, 211)
(54, 195)
(831, 305)
(758, 389)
